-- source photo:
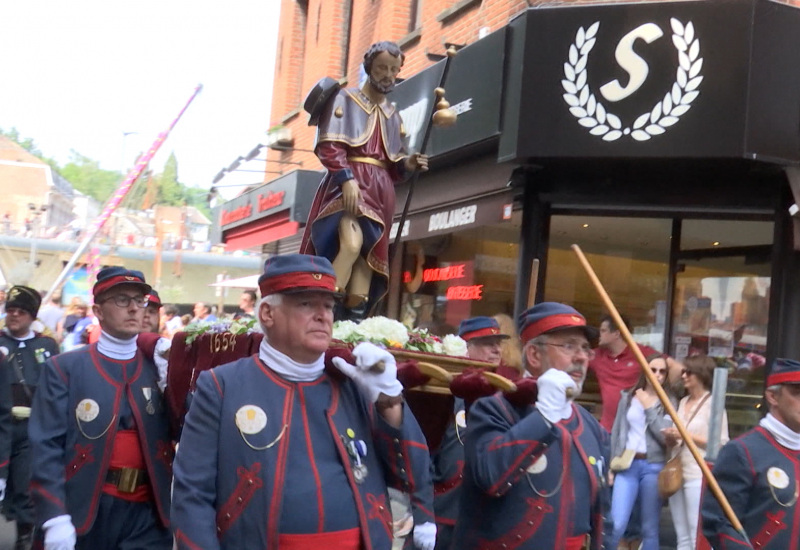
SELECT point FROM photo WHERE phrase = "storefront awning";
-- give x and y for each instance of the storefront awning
(260, 232)
(691, 80)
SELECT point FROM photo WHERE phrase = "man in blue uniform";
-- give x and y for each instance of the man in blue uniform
(102, 455)
(26, 351)
(534, 475)
(277, 452)
(483, 338)
(759, 473)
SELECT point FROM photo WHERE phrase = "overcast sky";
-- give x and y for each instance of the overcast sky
(80, 74)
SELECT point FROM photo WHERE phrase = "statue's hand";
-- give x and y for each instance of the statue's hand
(417, 161)
(351, 196)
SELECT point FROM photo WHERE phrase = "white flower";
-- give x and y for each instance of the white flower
(343, 330)
(383, 328)
(454, 345)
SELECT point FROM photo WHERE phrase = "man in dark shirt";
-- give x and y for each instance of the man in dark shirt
(25, 351)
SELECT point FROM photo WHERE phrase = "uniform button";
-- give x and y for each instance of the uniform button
(219, 529)
(74, 466)
(768, 533)
(249, 481)
(508, 484)
(380, 508)
(519, 537)
(399, 455)
(498, 494)
(239, 499)
(402, 470)
(530, 523)
(538, 507)
(396, 440)
(227, 516)
(83, 455)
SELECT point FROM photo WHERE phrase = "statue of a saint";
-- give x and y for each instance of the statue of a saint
(360, 141)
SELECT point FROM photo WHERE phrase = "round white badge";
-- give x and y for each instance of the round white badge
(251, 419)
(777, 478)
(461, 419)
(539, 466)
(87, 410)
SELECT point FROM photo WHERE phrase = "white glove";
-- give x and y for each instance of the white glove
(2, 489)
(552, 401)
(59, 533)
(371, 384)
(425, 536)
(161, 357)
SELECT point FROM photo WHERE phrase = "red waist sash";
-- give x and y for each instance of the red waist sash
(127, 453)
(575, 543)
(349, 539)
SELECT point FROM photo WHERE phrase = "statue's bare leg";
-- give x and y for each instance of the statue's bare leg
(350, 240)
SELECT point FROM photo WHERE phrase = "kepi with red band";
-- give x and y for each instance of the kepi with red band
(294, 273)
(480, 327)
(548, 317)
(112, 276)
(153, 299)
(784, 371)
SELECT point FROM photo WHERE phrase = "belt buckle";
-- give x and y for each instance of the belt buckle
(128, 480)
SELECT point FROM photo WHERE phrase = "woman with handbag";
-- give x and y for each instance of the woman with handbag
(694, 411)
(639, 450)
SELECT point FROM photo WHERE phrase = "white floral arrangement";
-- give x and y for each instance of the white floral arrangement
(394, 334)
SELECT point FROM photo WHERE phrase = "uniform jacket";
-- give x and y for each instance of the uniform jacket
(25, 359)
(761, 480)
(520, 490)
(448, 467)
(5, 416)
(230, 486)
(76, 414)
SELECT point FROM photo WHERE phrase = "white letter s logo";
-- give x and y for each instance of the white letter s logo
(636, 67)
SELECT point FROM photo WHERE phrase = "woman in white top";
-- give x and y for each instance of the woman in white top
(694, 411)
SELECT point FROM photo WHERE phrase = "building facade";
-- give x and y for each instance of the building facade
(661, 137)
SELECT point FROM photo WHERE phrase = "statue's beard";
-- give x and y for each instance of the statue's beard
(381, 88)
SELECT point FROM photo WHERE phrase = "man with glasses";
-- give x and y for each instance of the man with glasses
(483, 338)
(279, 452)
(534, 476)
(25, 351)
(759, 473)
(102, 454)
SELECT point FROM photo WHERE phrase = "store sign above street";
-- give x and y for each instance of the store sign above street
(691, 79)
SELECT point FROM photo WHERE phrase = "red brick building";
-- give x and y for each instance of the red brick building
(677, 186)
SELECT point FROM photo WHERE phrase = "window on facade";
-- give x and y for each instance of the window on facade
(415, 12)
(452, 277)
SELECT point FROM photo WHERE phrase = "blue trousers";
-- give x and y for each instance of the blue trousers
(641, 480)
(124, 525)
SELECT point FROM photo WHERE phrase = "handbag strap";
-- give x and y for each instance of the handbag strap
(694, 413)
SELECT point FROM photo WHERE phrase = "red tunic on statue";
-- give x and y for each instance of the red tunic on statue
(361, 141)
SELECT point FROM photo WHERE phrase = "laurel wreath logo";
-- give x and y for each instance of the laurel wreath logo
(592, 114)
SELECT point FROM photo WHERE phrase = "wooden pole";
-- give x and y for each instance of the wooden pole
(662, 396)
(533, 283)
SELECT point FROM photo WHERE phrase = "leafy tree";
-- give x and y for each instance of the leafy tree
(170, 191)
(86, 176)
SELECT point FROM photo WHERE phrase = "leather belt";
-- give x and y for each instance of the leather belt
(127, 480)
(369, 160)
(640, 456)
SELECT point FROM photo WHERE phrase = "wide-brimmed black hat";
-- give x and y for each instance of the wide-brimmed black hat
(318, 97)
(24, 298)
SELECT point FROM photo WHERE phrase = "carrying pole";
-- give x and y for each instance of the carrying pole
(662, 396)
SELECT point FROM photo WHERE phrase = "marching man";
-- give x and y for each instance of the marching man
(276, 452)
(102, 455)
(759, 473)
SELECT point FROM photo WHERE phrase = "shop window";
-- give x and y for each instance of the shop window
(721, 306)
(631, 258)
(449, 278)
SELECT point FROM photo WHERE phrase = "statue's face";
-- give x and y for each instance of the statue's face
(383, 72)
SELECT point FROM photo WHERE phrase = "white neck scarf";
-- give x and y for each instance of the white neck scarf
(287, 367)
(782, 433)
(116, 348)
